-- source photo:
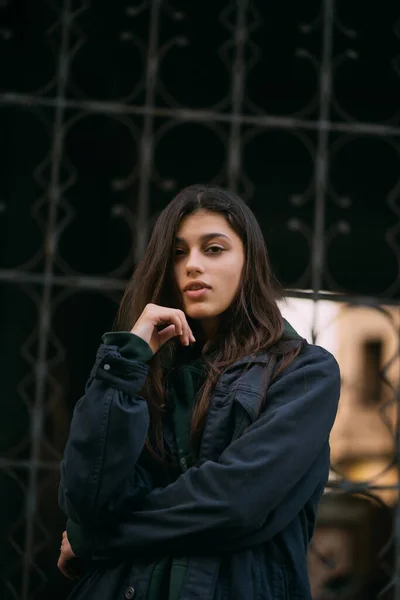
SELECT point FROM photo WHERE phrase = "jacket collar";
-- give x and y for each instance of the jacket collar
(290, 341)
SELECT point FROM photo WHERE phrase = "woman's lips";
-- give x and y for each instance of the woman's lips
(197, 293)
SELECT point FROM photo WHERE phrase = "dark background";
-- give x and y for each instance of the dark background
(106, 112)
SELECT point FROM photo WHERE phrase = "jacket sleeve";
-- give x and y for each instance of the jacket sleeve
(107, 435)
(79, 541)
(261, 481)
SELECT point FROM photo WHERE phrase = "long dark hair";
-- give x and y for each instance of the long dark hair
(253, 323)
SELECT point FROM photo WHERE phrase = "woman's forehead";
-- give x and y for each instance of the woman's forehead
(203, 222)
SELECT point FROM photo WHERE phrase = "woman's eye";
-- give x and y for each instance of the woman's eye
(179, 252)
(214, 249)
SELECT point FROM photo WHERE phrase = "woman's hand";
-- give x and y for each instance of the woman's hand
(66, 556)
(153, 317)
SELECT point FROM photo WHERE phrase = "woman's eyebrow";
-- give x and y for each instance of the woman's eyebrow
(205, 237)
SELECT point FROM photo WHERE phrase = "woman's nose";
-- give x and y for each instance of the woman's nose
(194, 263)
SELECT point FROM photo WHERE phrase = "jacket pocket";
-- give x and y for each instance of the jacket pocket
(247, 407)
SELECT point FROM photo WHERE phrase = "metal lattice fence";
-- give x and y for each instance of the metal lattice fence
(104, 120)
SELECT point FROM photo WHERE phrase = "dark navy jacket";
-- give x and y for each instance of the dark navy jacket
(244, 515)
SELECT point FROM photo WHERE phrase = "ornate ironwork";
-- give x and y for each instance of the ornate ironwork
(138, 137)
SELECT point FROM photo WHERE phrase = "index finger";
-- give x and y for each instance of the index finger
(187, 331)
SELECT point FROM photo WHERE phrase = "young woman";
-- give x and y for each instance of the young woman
(200, 450)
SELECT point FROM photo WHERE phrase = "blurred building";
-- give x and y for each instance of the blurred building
(351, 552)
(368, 355)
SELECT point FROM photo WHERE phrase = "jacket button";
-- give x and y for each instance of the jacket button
(106, 367)
(129, 592)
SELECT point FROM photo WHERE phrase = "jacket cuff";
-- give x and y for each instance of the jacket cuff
(131, 346)
(80, 545)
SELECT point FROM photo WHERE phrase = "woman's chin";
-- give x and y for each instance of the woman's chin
(199, 312)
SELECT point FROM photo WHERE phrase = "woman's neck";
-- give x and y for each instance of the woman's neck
(208, 329)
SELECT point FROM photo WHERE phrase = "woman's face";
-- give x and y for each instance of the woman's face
(209, 258)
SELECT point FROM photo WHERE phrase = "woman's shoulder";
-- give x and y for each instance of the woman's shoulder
(315, 359)
(308, 354)
(317, 352)
(313, 376)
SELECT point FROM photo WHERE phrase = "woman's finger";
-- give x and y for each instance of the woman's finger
(153, 317)
(67, 552)
(63, 566)
(185, 329)
(187, 332)
(167, 334)
(177, 320)
(66, 549)
(174, 329)
(169, 317)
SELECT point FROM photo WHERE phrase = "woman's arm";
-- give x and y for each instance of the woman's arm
(262, 479)
(107, 435)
